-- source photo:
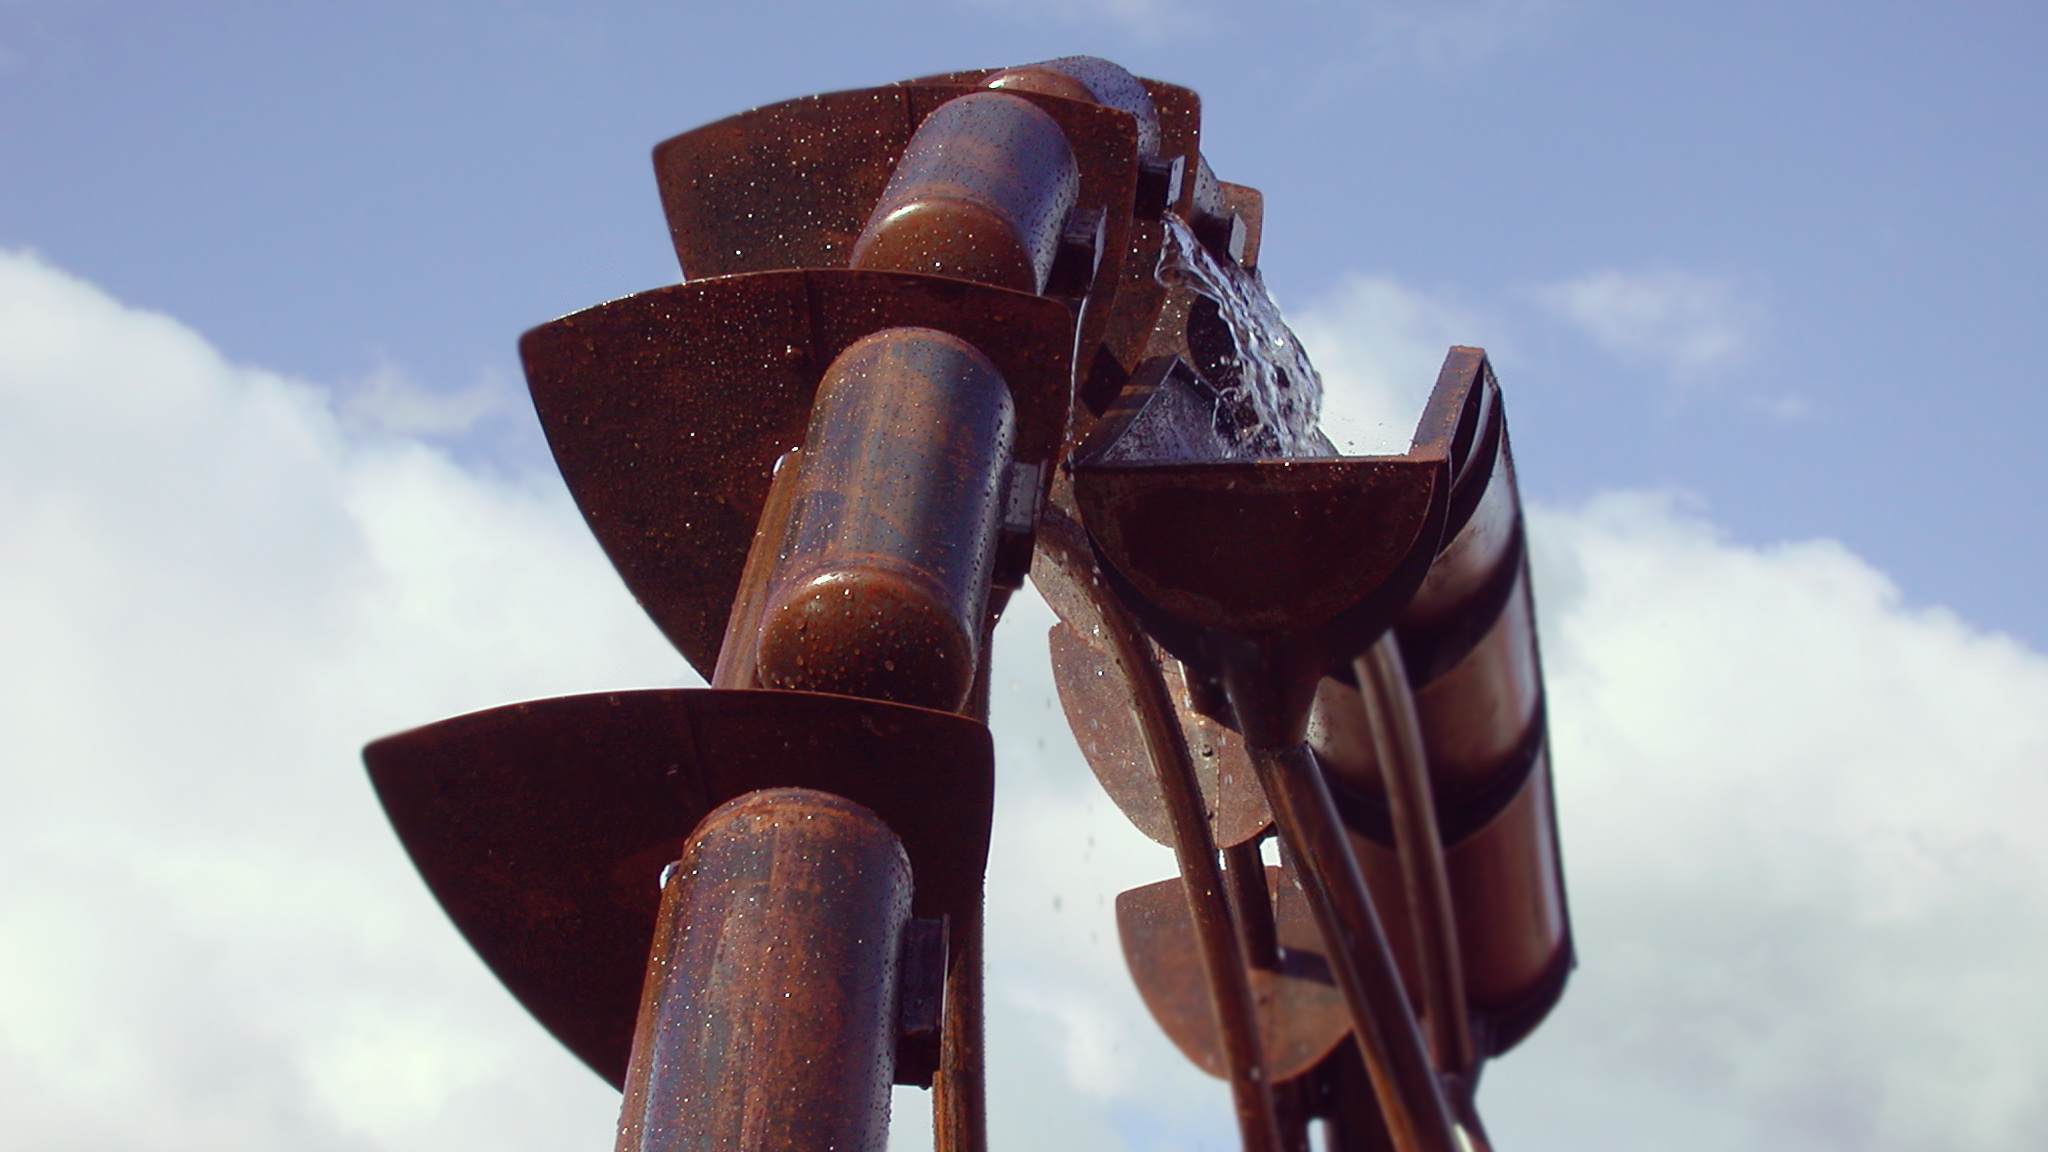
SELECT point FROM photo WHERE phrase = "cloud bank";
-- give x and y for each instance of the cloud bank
(1797, 813)
(1689, 323)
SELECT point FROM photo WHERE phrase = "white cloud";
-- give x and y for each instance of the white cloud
(210, 596)
(1801, 825)
(214, 590)
(1377, 344)
(1799, 816)
(389, 399)
(1689, 323)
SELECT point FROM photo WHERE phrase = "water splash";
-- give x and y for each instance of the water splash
(1268, 395)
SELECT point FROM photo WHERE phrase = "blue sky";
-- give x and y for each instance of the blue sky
(1849, 194)
(1760, 281)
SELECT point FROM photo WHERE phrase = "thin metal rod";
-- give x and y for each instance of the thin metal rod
(1194, 845)
(1252, 901)
(1292, 1104)
(1409, 1094)
(959, 1095)
(735, 667)
(960, 1089)
(1470, 1129)
(1404, 766)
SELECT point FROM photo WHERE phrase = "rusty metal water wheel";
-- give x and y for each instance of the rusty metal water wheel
(924, 347)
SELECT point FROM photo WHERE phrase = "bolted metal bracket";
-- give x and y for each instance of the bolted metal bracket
(1223, 234)
(920, 999)
(1018, 531)
(1079, 255)
(1159, 185)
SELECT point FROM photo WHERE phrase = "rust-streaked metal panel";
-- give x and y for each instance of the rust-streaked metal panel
(667, 410)
(543, 827)
(791, 185)
(1301, 1013)
(1100, 711)
(1258, 548)
(788, 185)
(1180, 129)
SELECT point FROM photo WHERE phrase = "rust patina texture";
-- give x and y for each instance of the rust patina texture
(934, 335)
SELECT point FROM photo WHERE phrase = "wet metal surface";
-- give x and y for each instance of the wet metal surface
(889, 554)
(925, 326)
(1390, 708)
(1266, 395)
(1265, 574)
(666, 410)
(769, 1016)
(792, 185)
(1301, 1013)
(1411, 1097)
(1221, 952)
(1328, 577)
(1099, 709)
(543, 827)
(1507, 889)
(980, 193)
(1469, 651)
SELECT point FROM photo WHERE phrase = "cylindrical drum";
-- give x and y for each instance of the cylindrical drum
(1508, 899)
(883, 580)
(981, 193)
(768, 1021)
(1091, 79)
(1468, 644)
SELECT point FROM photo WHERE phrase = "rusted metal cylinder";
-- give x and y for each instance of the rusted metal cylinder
(768, 1023)
(1481, 722)
(1089, 78)
(1468, 644)
(883, 579)
(1512, 929)
(981, 193)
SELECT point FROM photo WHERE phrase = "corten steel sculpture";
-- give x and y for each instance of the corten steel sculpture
(935, 336)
